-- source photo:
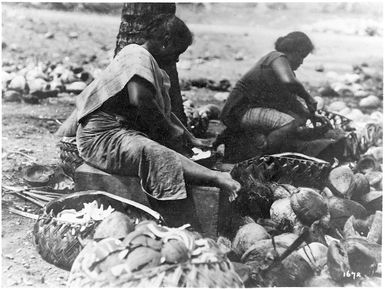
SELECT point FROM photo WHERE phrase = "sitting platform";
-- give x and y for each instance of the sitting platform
(205, 200)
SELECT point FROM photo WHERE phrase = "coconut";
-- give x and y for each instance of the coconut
(366, 164)
(175, 251)
(361, 258)
(246, 236)
(337, 261)
(279, 191)
(263, 249)
(116, 225)
(361, 187)
(340, 179)
(143, 257)
(326, 193)
(341, 209)
(373, 177)
(282, 213)
(323, 280)
(308, 205)
(76, 87)
(372, 201)
(18, 83)
(315, 254)
(294, 271)
(376, 152)
(349, 230)
(374, 249)
(337, 106)
(11, 96)
(375, 231)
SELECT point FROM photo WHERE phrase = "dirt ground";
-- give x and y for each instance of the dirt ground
(28, 129)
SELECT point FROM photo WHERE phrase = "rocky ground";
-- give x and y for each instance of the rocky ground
(345, 71)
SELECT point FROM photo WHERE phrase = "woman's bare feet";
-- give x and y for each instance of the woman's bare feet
(228, 184)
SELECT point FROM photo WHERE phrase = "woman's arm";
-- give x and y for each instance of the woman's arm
(141, 94)
(287, 78)
(195, 142)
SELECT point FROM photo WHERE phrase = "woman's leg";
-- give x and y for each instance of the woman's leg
(278, 127)
(196, 174)
(279, 139)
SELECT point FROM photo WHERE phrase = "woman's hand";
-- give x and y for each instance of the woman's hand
(311, 104)
(201, 143)
(322, 119)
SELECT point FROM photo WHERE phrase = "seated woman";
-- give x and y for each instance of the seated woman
(125, 124)
(264, 100)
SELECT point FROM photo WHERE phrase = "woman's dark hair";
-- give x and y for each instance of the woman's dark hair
(178, 31)
(294, 41)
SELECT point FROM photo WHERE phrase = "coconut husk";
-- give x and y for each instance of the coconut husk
(308, 205)
(246, 236)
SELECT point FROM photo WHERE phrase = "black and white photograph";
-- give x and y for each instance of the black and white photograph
(191, 144)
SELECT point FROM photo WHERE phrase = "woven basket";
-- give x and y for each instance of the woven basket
(69, 154)
(289, 168)
(59, 242)
(218, 273)
(336, 120)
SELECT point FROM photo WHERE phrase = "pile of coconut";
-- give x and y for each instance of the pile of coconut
(343, 225)
(40, 80)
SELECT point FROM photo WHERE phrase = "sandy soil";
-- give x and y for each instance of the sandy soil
(29, 128)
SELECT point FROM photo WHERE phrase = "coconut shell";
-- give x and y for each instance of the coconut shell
(340, 180)
(337, 261)
(175, 251)
(341, 209)
(349, 230)
(308, 205)
(281, 212)
(246, 236)
(360, 188)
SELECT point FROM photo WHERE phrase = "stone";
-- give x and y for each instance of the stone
(319, 68)
(370, 101)
(49, 35)
(239, 56)
(73, 35)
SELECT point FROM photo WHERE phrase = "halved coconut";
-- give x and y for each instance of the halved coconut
(340, 180)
